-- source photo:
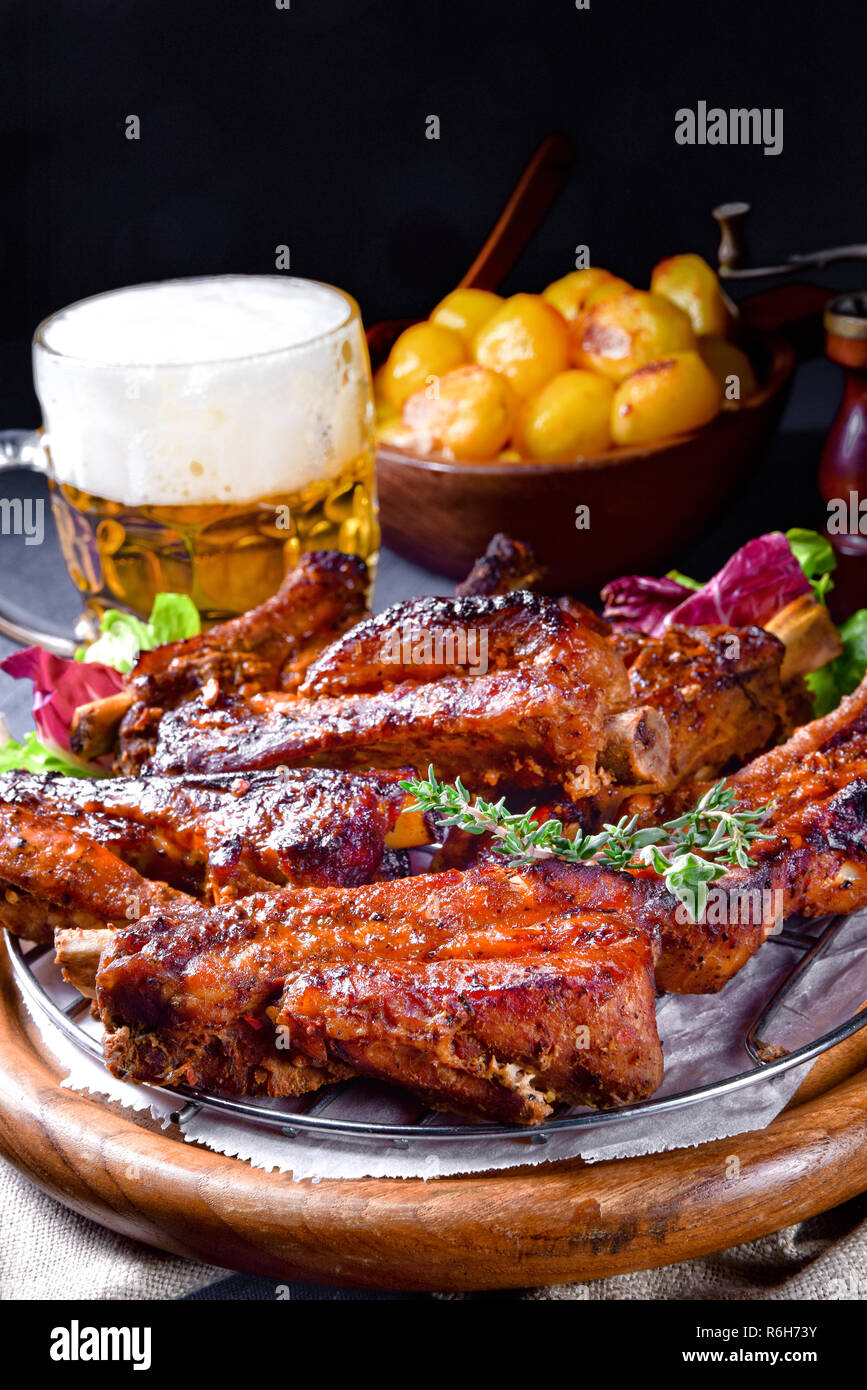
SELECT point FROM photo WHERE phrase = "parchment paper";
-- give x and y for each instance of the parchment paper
(702, 1039)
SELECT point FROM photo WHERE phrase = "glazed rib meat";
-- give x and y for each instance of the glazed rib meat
(53, 877)
(816, 783)
(503, 690)
(214, 837)
(268, 648)
(719, 691)
(506, 565)
(486, 991)
(566, 1014)
(813, 862)
(475, 989)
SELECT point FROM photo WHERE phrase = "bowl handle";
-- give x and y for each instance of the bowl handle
(527, 207)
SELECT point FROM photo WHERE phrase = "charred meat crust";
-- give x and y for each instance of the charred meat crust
(536, 712)
(268, 648)
(719, 691)
(191, 974)
(215, 837)
(507, 564)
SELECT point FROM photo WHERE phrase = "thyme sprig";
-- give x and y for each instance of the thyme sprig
(688, 852)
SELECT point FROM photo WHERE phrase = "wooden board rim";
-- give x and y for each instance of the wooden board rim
(524, 1227)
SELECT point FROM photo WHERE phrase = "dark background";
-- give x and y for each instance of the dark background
(307, 127)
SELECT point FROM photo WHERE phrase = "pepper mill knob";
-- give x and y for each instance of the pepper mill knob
(731, 218)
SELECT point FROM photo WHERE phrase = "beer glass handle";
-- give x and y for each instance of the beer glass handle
(24, 449)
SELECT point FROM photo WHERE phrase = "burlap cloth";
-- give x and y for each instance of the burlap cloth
(48, 1252)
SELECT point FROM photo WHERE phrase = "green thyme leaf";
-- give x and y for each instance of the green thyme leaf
(688, 852)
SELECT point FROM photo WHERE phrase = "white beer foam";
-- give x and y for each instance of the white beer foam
(225, 389)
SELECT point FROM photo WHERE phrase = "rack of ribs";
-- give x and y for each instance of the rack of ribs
(474, 988)
(508, 690)
(216, 838)
(268, 648)
(487, 992)
(540, 695)
(813, 861)
(815, 856)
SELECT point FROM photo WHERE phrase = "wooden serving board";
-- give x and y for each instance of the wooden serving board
(524, 1227)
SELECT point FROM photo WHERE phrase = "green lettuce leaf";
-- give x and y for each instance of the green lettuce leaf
(815, 554)
(33, 756)
(684, 579)
(839, 677)
(174, 617)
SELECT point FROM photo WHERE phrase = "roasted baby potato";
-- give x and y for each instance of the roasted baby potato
(669, 396)
(396, 433)
(464, 312)
(617, 336)
(608, 289)
(689, 282)
(731, 367)
(470, 415)
(423, 351)
(526, 340)
(570, 295)
(569, 418)
(385, 411)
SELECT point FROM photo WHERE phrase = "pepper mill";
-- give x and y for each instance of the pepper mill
(843, 466)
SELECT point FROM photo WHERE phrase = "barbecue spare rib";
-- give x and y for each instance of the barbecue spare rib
(233, 906)
(268, 648)
(813, 861)
(473, 987)
(506, 565)
(217, 838)
(508, 690)
(513, 690)
(487, 992)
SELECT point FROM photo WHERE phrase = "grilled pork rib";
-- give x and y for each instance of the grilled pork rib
(816, 783)
(54, 876)
(506, 565)
(268, 648)
(474, 988)
(813, 862)
(488, 992)
(214, 837)
(719, 692)
(503, 690)
(550, 702)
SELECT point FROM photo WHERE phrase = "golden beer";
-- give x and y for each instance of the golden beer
(227, 557)
(201, 434)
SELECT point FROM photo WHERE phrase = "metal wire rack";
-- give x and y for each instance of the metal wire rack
(309, 1115)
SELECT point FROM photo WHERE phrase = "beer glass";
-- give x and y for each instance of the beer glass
(198, 435)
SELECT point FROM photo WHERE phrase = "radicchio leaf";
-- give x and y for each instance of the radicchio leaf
(59, 687)
(642, 603)
(759, 579)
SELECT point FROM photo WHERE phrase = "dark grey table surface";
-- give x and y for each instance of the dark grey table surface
(782, 493)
